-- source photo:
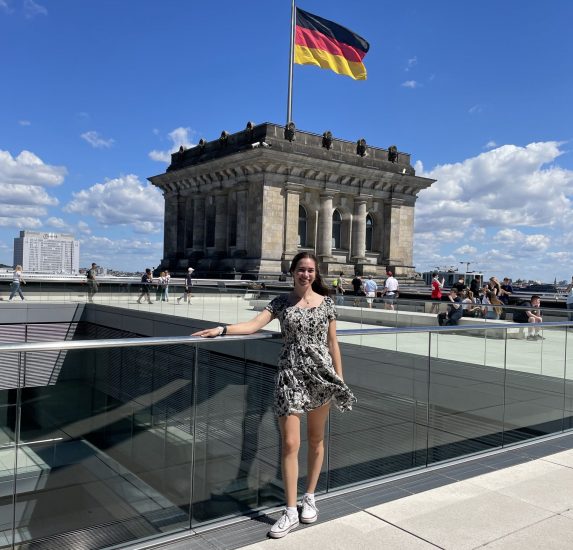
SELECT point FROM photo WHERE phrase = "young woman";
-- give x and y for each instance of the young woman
(17, 282)
(309, 378)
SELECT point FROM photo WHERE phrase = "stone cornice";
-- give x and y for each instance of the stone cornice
(282, 167)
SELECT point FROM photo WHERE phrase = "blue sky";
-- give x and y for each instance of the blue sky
(95, 95)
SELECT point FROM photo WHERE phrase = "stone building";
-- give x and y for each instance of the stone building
(248, 202)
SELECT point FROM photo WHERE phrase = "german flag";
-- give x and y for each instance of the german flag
(329, 45)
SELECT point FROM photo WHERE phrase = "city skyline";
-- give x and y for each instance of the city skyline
(479, 95)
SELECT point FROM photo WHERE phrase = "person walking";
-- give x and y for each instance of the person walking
(186, 296)
(390, 292)
(309, 378)
(338, 285)
(166, 281)
(358, 289)
(91, 276)
(370, 288)
(146, 282)
(17, 282)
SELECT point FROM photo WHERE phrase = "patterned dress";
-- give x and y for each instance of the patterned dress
(306, 378)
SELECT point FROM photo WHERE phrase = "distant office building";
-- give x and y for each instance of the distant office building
(42, 252)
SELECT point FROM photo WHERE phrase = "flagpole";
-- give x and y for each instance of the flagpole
(291, 62)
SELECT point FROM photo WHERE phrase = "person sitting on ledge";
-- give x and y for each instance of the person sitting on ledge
(529, 312)
(455, 310)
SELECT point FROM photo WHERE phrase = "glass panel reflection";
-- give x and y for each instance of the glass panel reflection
(466, 393)
(534, 384)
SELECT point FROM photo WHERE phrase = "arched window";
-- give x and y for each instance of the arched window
(336, 228)
(369, 231)
(302, 226)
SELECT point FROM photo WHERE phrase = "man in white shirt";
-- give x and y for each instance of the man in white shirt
(390, 290)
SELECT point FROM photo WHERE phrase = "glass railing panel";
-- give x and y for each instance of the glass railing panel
(237, 451)
(380, 436)
(9, 363)
(568, 380)
(534, 383)
(466, 393)
(109, 443)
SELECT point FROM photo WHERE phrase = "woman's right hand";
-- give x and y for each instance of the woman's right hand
(208, 332)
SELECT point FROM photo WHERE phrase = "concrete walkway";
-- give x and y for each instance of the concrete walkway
(521, 507)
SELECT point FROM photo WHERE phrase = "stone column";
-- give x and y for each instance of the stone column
(189, 222)
(358, 251)
(181, 209)
(199, 224)
(242, 221)
(292, 200)
(170, 225)
(391, 255)
(221, 223)
(324, 237)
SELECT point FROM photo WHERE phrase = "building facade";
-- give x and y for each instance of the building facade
(39, 252)
(250, 201)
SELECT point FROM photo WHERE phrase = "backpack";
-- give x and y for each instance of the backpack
(335, 283)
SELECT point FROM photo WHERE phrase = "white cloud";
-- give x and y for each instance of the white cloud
(12, 193)
(29, 169)
(179, 137)
(84, 228)
(412, 62)
(20, 222)
(24, 123)
(126, 254)
(123, 201)
(410, 84)
(97, 141)
(474, 109)
(57, 223)
(490, 144)
(511, 205)
(31, 9)
(466, 249)
(22, 189)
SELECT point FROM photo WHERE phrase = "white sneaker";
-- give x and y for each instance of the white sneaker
(309, 513)
(283, 526)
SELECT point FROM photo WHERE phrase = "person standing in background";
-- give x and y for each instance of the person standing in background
(370, 288)
(17, 282)
(188, 286)
(390, 292)
(570, 300)
(92, 282)
(437, 286)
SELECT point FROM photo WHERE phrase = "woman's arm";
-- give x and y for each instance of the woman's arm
(248, 327)
(334, 349)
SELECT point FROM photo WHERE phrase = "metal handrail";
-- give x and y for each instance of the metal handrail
(61, 345)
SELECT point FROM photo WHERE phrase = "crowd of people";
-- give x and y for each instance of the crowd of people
(367, 290)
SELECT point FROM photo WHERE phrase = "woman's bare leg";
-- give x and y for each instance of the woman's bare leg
(290, 434)
(316, 422)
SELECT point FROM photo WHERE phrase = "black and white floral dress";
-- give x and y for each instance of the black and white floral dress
(306, 378)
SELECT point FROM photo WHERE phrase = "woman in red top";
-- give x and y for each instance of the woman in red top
(436, 292)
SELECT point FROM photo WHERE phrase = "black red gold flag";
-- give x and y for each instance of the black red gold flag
(329, 45)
